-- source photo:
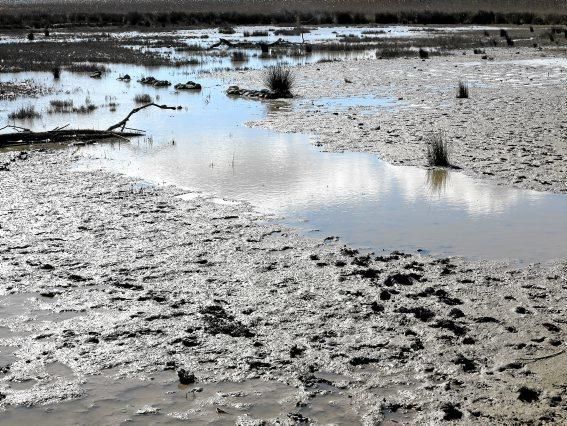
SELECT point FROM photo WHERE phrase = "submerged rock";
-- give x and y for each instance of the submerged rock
(260, 94)
(152, 81)
(190, 85)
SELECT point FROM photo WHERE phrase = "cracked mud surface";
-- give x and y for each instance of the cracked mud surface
(101, 280)
(510, 130)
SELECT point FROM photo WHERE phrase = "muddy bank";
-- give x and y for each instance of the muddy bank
(101, 276)
(510, 130)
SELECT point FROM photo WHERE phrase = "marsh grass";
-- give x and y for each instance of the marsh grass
(226, 30)
(395, 52)
(44, 55)
(292, 31)
(438, 150)
(87, 68)
(23, 113)
(238, 56)
(255, 33)
(462, 90)
(423, 54)
(279, 78)
(60, 105)
(143, 98)
(85, 109)
(66, 106)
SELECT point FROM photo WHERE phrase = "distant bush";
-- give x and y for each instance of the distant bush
(14, 18)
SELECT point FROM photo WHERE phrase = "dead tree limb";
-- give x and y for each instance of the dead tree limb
(221, 42)
(59, 136)
(542, 357)
(18, 128)
(134, 111)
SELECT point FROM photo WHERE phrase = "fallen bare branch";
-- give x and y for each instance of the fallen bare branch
(541, 358)
(123, 122)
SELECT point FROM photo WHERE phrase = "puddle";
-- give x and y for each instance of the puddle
(375, 103)
(206, 147)
(163, 400)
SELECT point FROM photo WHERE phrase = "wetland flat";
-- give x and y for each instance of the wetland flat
(290, 260)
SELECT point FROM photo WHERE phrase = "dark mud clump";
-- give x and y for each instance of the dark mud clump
(218, 321)
(185, 377)
(526, 394)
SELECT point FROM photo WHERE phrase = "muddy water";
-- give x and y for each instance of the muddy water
(206, 147)
(162, 400)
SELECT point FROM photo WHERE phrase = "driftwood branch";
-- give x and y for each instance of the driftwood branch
(543, 357)
(61, 134)
(23, 138)
(123, 122)
(221, 42)
(18, 128)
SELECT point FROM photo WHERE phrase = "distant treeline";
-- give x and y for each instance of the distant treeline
(163, 19)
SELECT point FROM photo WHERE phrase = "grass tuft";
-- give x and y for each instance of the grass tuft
(279, 79)
(423, 54)
(56, 71)
(26, 112)
(143, 99)
(437, 151)
(462, 90)
(65, 106)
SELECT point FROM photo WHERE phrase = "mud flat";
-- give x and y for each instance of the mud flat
(511, 129)
(105, 280)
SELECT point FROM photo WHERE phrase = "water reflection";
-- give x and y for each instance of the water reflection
(437, 181)
(206, 147)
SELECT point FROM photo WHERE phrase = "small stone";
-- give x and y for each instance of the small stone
(185, 377)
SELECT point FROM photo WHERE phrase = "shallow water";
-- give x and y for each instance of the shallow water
(162, 400)
(369, 203)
